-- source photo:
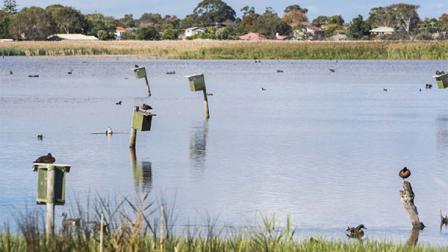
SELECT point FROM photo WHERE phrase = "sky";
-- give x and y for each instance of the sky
(347, 8)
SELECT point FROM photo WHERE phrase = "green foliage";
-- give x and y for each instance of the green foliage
(210, 12)
(358, 28)
(337, 20)
(147, 33)
(150, 19)
(170, 34)
(127, 20)
(320, 21)
(102, 35)
(10, 6)
(5, 20)
(32, 24)
(295, 7)
(270, 23)
(67, 19)
(402, 17)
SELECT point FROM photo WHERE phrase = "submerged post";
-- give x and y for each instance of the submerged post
(133, 137)
(207, 112)
(49, 224)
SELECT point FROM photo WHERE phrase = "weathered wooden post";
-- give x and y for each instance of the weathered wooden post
(140, 73)
(197, 83)
(407, 198)
(49, 224)
(50, 190)
(141, 121)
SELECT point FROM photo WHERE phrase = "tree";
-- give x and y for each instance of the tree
(402, 17)
(67, 19)
(102, 35)
(295, 15)
(209, 12)
(444, 18)
(320, 21)
(358, 28)
(270, 23)
(32, 24)
(150, 19)
(127, 20)
(170, 34)
(249, 20)
(4, 24)
(10, 6)
(295, 7)
(147, 33)
(337, 20)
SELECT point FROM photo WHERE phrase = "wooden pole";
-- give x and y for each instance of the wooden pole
(207, 111)
(413, 237)
(147, 84)
(49, 225)
(101, 232)
(407, 198)
(133, 137)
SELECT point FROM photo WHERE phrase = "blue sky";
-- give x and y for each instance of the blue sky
(347, 8)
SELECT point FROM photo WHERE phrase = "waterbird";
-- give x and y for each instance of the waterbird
(146, 107)
(355, 232)
(171, 72)
(40, 137)
(443, 220)
(209, 94)
(10, 72)
(70, 72)
(420, 90)
(263, 89)
(279, 71)
(70, 222)
(109, 131)
(47, 159)
(428, 86)
(118, 103)
(332, 70)
(33, 76)
(404, 173)
(136, 66)
(385, 89)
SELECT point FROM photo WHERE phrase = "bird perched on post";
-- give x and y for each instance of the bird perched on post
(47, 159)
(404, 173)
(70, 222)
(136, 66)
(355, 232)
(146, 107)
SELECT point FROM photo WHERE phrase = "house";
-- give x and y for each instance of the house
(252, 36)
(74, 36)
(280, 37)
(119, 30)
(193, 31)
(382, 31)
(316, 32)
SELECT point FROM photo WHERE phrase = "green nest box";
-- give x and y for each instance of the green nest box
(197, 82)
(442, 80)
(142, 120)
(140, 72)
(59, 182)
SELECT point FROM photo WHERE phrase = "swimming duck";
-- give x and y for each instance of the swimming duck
(118, 103)
(404, 173)
(109, 131)
(40, 137)
(279, 71)
(70, 222)
(10, 72)
(70, 72)
(443, 220)
(355, 232)
(263, 89)
(385, 89)
(146, 107)
(332, 70)
(428, 86)
(48, 159)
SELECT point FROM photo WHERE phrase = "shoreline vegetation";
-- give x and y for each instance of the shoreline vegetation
(248, 50)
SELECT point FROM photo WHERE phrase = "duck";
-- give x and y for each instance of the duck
(70, 222)
(385, 89)
(332, 70)
(47, 159)
(40, 137)
(355, 232)
(118, 103)
(263, 89)
(428, 86)
(33, 76)
(11, 72)
(70, 72)
(210, 94)
(443, 220)
(109, 131)
(136, 66)
(404, 173)
(279, 71)
(146, 107)
(171, 72)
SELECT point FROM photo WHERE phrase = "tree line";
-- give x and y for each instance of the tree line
(219, 21)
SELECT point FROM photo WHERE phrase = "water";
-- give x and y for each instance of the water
(324, 148)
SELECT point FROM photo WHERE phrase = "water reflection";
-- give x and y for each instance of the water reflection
(198, 147)
(442, 131)
(142, 173)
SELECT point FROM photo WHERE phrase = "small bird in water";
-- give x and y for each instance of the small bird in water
(404, 173)
(332, 70)
(263, 89)
(40, 137)
(146, 107)
(118, 103)
(385, 89)
(279, 71)
(136, 66)
(70, 72)
(443, 220)
(47, 159)
(209, 94)
(355, 232)
(10, 72)
(428, 86)
(109, 131)
(33, 76)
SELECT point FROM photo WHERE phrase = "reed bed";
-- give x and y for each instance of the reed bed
(210, 49)
(141, 225)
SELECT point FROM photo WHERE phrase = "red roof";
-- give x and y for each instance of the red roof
(252, 36)
(120, 29)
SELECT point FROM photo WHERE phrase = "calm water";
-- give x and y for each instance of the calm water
(322, 147)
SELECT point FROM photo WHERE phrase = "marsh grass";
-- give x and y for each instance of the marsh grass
(200, 49)
(134, 225)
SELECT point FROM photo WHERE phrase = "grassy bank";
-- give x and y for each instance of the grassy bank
(234, 49)
(142, 225)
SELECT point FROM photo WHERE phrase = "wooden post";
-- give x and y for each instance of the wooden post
(413, 237)
(147, 84)
(162, 228)
(207, 112)
(133, 137)
(407, 198)
(49, 225)
(101, 232)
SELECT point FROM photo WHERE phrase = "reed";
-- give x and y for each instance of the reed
(133, 225)
(205, 49)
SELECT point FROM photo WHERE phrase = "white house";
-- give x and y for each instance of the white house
(193, 31)
(381, 31)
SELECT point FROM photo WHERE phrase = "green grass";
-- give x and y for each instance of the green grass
(386, 50)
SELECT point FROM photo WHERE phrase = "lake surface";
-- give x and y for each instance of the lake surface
(324, 148)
